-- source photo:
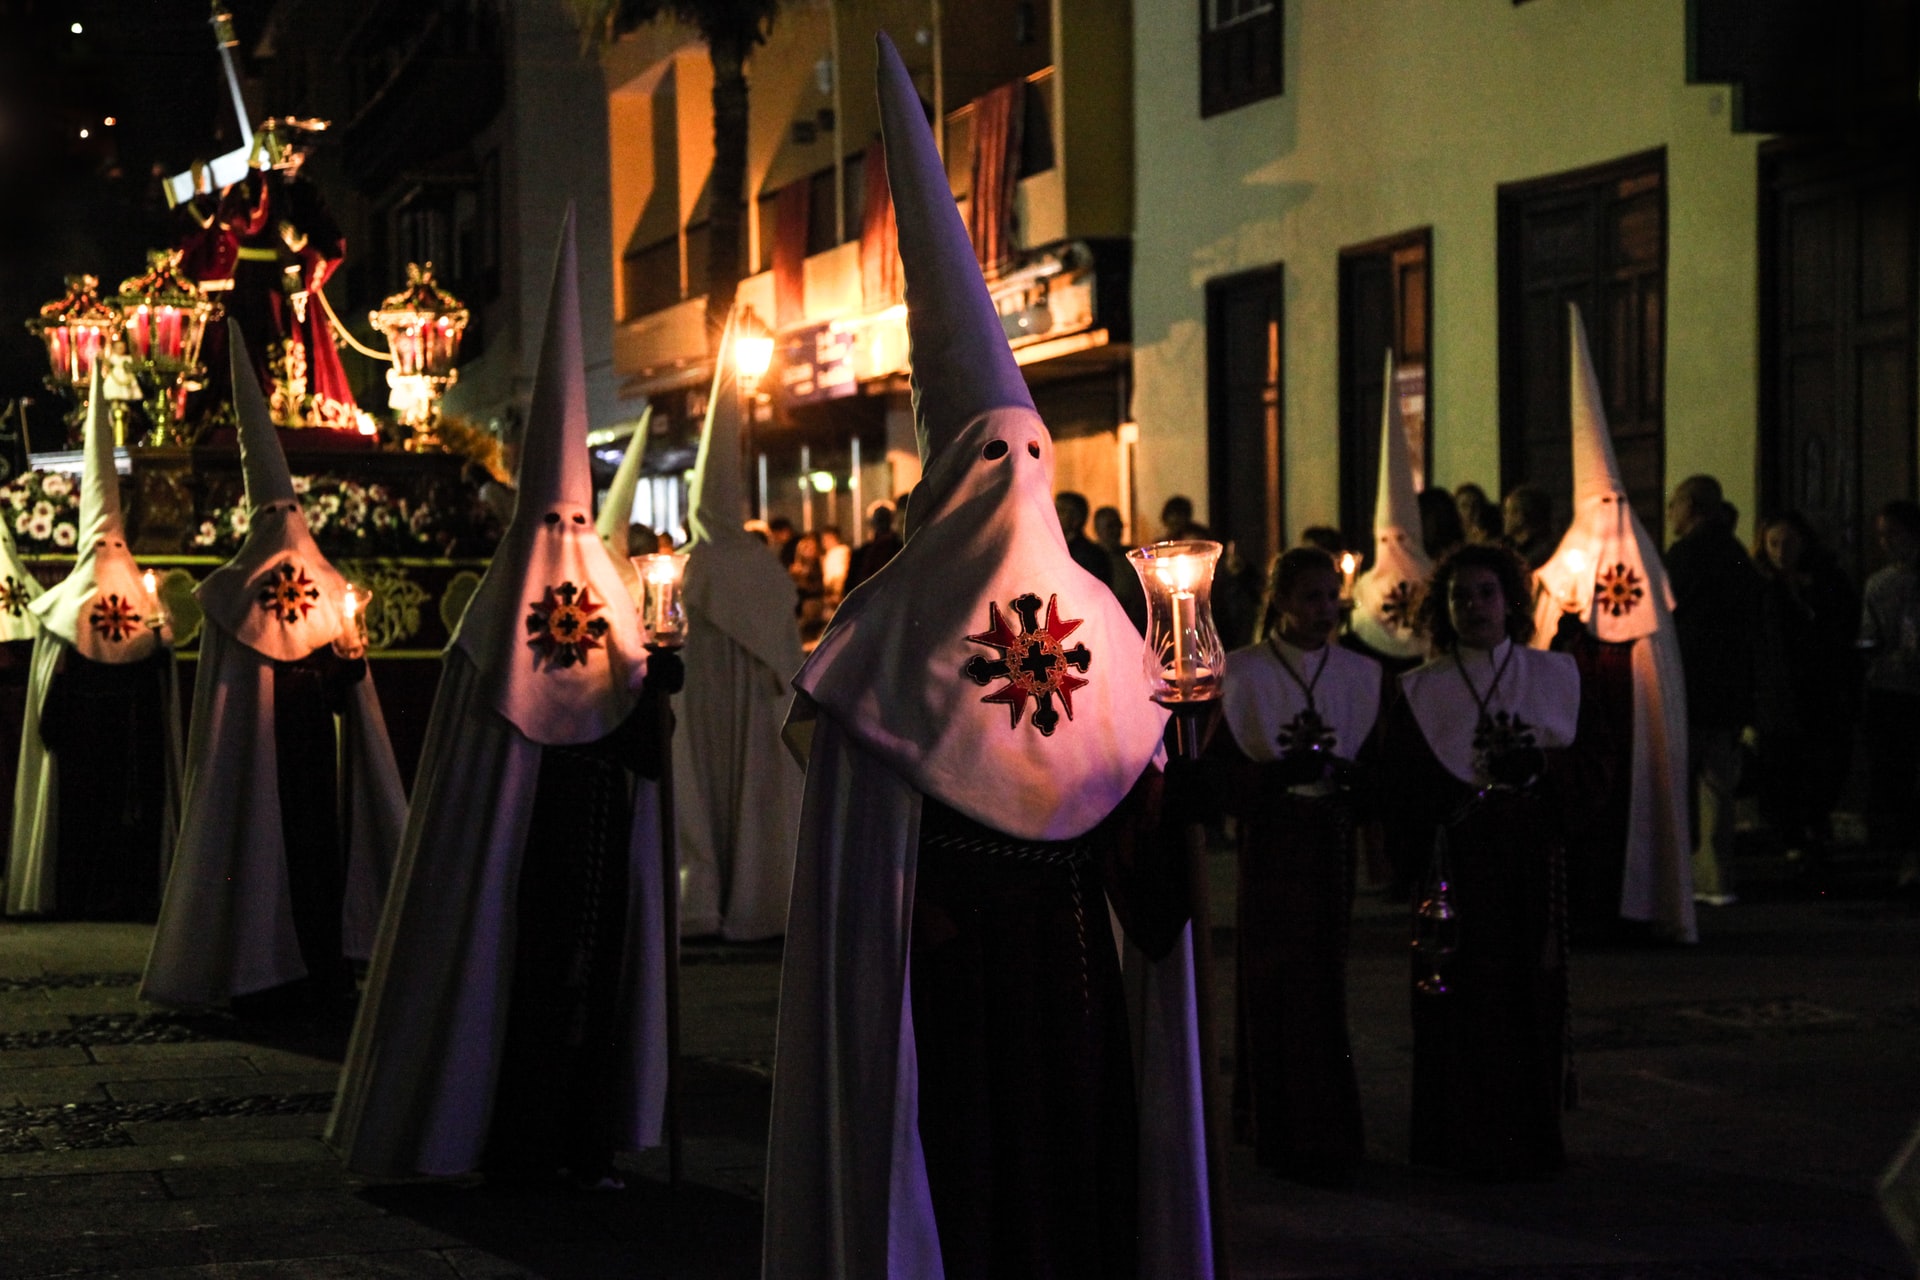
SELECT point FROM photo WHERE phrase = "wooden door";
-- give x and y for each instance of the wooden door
(1838, 339)
(1386, 302)
(1596, 237)
(1244, 435)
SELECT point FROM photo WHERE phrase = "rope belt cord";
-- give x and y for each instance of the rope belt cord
(341, 329)
(1071, 853)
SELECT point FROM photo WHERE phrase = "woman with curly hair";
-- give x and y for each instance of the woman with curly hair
(1479, 770)
(1299, 713)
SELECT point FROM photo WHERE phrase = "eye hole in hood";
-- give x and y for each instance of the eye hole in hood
(995, 450)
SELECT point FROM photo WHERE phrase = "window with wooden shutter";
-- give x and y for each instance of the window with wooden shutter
(1239, 53)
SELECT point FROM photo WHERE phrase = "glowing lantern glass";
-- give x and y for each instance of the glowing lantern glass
(663, 606)
(1184, 656)
(164, 315)
(423, 325)
(76, 329)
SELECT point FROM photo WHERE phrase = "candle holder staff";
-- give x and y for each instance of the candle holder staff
(294, 806)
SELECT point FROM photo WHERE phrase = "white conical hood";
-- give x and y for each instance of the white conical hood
(616, 513)
(18, 589)
(1607, 570)
(734, 580)
(552, 629)
(102, 606)
(279, 595)
(981, 663)
(1386, 596)
(962, 366)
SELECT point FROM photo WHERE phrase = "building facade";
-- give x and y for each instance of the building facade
(1033, 98)
(1726, 191)
(460, 133)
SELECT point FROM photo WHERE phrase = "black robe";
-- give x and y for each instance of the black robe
(1597, 848)
(1489, 1062)
(1026, 1110)
(106, 724)
(558, 1070)
(1295, 1093)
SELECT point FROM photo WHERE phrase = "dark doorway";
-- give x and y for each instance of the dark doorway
(1386, 301)
(1244, 315)
(1837, 260)
(1596, 237)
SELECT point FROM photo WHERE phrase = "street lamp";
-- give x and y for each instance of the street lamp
(423, 324)
(164, 316)
(76, 329)
(752, 350)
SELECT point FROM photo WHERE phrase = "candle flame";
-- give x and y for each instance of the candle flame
(1577, 562)
(352, 603)
(662, 570)
(151, 583)
(1348, 562)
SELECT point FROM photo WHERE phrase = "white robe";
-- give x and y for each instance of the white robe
(226, 919)
(847, 1193)
(737, 789)
(417, 1091)
(33, 857)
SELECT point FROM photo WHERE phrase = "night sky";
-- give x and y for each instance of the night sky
(70, 204)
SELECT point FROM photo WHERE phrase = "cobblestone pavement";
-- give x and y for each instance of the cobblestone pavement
(1737, 1101)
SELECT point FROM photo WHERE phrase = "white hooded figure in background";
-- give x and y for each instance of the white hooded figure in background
(954, 1085)
(514, 1017)
(1386, 597)
(1607, 574)
(97, 794)
(18, 630)
(293, 803)
(616, 511)
(737, 802)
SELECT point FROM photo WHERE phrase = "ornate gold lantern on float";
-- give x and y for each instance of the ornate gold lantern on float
(423, 324)
(76, 329)
(1184, 655)
(164, 317)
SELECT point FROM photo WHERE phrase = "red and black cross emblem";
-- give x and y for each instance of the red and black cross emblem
(288, 593)
(562, 628)
(13, 595)
(1034, 661)
(113, 618)
(1620, 590)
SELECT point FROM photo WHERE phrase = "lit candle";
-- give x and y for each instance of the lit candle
(1577, 567)
(352, 603)
(151, 583)
(661, 575)
(1348, 563)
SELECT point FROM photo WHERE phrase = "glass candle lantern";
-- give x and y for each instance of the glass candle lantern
(1183, 656)
(75, 329)
(663, 608)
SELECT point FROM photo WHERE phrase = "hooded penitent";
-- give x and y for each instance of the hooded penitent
(103, 612)
(550, 653)
(616, 511)
(982, 669)
(289, 772)
(18, 590)
(1387, 595)
(738, 788)
(1607, 572)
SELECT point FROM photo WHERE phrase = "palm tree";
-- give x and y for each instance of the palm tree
(731, 29)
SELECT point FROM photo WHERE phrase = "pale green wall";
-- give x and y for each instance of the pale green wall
(1406, 113)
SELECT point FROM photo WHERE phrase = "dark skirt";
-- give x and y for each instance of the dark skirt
(554, 1105)
(106, 724)
(1295, 1093)
(1489, 1053)
(1027, 1113)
